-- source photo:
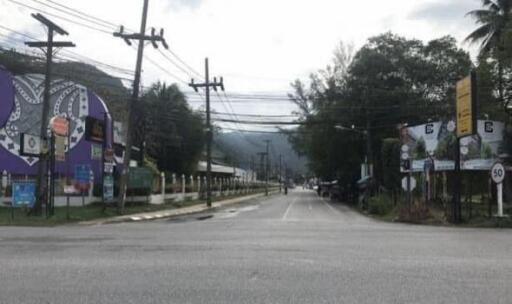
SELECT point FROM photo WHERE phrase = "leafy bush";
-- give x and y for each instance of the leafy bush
(380, 205)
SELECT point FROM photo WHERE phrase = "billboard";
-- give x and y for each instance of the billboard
(436, 141)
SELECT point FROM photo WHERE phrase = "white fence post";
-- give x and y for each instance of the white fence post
(91, 186)
(162, 181)
(183, 184)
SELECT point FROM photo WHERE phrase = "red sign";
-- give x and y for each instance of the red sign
(59, 125)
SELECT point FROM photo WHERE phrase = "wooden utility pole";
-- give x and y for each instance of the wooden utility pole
(209, 131)
(280, 172)
(41, 192)
(141, 38)
(267, 164)
(262, 164)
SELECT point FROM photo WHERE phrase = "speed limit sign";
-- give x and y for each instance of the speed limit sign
(498, 173)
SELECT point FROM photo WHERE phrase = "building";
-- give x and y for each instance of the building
(21, 99)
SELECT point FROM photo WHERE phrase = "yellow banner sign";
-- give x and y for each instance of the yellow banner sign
(465, 107)
(60, 148)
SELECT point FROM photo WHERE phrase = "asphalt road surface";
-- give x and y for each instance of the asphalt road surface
(288, 249)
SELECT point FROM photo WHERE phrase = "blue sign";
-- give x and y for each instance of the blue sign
(108, 188)
(82, 174)
(23, 193)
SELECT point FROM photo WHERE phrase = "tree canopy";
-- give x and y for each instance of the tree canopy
(390, 81)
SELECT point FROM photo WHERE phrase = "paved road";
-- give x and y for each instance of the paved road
(293, 249)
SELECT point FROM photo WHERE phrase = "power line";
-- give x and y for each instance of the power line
(94, 61)
(61, 17)
(79, 16)
(87, 15)
(256, 115)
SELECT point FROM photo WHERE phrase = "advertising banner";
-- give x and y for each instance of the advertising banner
(108, 188)
(23, 193)
(436, 141)
(82, 176)
(60, 148)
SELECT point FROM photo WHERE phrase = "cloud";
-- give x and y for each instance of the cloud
(444, 12)
(181, 4)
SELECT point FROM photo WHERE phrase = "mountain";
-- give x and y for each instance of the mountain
(109, 88)
(241, 149)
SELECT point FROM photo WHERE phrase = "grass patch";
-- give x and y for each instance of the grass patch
(92, 212)
(475, 216)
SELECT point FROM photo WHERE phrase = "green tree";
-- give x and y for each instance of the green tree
(174, 133)
(391, 80)
(493, 21)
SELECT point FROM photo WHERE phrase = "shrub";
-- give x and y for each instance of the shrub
(380, 205)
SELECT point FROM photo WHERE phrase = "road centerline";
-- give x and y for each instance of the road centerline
(288, 209)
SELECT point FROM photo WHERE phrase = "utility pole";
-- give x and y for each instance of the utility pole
(267, 164)
(280, 173)
(49, 44)
(262, 165)
(252, 168)
(141, 37)
(209, 130)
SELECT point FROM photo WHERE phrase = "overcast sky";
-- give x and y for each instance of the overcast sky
(258, 46)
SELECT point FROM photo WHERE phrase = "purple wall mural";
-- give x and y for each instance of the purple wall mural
(20, 112)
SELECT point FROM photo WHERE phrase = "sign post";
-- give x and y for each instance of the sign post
(466, 126)
(407, 181)
(498, 175)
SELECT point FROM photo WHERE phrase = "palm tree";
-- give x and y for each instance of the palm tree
(493, 21)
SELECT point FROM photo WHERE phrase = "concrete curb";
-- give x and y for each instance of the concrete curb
(148, 216)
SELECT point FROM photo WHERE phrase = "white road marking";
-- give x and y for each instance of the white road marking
(288, 209)
(135, 218)
(331, 207)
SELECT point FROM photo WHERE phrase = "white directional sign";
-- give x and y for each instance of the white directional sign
(498, 173)
(404, 183)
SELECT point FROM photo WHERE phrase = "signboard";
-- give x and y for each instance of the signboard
(59, 125)
(60, 148)
(108, 167)
(466, 106)
(94, 129)
(404, 183)
(82, 176)
(434, 140)
(30, 145)
(140, 178)
(498, 173)
(96, 151)
(108, 187)
(23, 193)
(119, 134)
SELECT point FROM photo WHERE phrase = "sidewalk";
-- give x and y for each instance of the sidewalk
(170, 213)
